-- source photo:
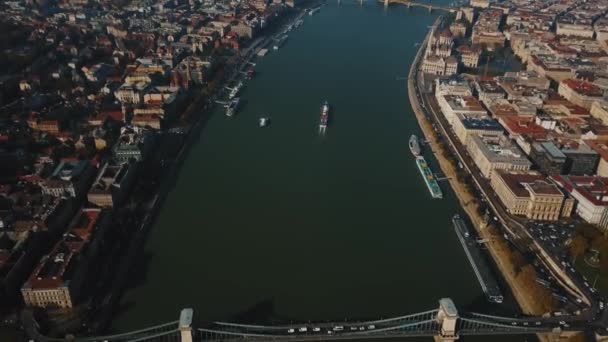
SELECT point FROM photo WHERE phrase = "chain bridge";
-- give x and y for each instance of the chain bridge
(446, 323)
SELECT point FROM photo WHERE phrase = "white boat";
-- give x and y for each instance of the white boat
(414, 146)
(264, 121)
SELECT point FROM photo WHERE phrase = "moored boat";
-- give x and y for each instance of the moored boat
(324, 117)
(232, 106)
(414, 145)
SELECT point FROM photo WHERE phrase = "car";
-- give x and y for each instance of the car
(353, 328)
(361, 328)
(291, 331)
(316, 329)
(566, 326)
(537, 323)
(338, 328)
(303, 329)
(562, 322)
(525, 323)
(513, 323)
(371, 327)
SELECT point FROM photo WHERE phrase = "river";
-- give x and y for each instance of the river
(280, 223)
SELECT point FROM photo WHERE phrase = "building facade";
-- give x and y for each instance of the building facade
(532, 195)
(492, 153)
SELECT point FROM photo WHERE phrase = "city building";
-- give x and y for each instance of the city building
(452, 104)
(467, 125)
(580, 92)
(548, 158)
(599, 110)
(112, 184)
(469, 55)
(70, 178)
(591, 196)
(436, 65)
(459, 29)
(452, 85)
(580, 159)
(57, 280)
(493, 152)
(532, 195)
(489, 91)
(600, 146)
(133, 144)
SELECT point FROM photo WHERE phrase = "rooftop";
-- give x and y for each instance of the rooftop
(593, 188)
(523, 184)
(584, 88)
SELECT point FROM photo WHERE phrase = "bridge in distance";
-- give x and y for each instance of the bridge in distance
(446, 323)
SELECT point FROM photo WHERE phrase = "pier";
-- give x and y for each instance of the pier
(480, 266)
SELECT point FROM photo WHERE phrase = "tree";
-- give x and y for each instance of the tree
(517, 261)
(578, 246)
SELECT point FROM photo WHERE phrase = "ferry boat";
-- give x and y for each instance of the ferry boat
(482, 269)
(232, 106)
(324, 117)
(264, 121)
(414, 146)
(429, 178)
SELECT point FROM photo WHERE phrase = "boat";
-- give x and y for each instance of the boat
(250, 73)
(235, 91)
(429, 178)
(324, 117)
(414, 146)
(314, 10)
(482, 269)
(264, 121)
(232, 106)
(279, 42)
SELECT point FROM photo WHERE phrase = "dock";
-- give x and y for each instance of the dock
(429, 178)
(488, 283)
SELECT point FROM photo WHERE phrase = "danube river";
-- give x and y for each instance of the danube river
(282, 224)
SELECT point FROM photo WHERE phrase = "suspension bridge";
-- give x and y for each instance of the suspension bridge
(446, 323)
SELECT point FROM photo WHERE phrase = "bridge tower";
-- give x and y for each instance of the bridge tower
(185, 325)
(448, 318)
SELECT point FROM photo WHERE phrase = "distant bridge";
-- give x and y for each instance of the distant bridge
(429, 6)
(446, 323)
(410, 3)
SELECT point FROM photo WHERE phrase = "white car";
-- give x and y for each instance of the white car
(291, 331)
(338, 328)
(316, 329)
(303, 329)
(371, 327)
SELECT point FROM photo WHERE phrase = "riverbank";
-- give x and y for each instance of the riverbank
(497, 247)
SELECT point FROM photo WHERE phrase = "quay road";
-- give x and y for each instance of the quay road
(591, 317)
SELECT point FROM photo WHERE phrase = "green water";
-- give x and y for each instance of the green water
(283, 224)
